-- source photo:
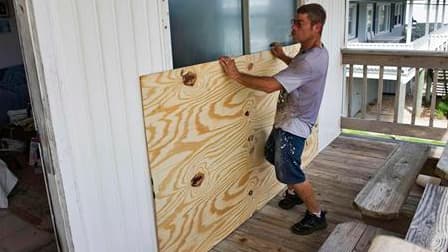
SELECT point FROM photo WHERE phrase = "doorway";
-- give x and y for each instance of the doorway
(25, 211)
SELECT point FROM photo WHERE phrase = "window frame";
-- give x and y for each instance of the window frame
(386, 21)
(398, 12)
(352, 24)
(371, 24)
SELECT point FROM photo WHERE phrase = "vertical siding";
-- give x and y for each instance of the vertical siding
(334, 39)
(93, 52)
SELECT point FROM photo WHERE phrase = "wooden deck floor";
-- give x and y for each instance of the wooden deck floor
(338, 173)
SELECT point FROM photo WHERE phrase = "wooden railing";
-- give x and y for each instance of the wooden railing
(407, 61)
(435, 41)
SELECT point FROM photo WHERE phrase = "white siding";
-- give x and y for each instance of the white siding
(334, 40)
(93, 53)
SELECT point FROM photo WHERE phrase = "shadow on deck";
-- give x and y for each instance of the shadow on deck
(338, 173)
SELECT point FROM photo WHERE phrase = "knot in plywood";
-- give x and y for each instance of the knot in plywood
(197, 180)
(250, 66)
(188, 78)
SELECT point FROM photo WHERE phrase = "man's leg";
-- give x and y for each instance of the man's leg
(314, 218)
(288, 169)
(290, 199)
(287, 150)
(306, 193)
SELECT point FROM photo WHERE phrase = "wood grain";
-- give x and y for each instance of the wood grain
(351, 236)
(344, 237)
(429, 227)
(384, 194)
(216, 128)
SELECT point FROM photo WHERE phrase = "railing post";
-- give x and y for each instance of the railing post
(434, 97)
(380, 93)
(415, 103)
(350, 91)
(400, 96)
(364, 93)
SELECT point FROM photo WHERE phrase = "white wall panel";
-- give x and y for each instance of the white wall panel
(93, 52)
(334, 39)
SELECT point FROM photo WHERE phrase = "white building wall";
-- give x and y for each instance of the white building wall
(334, 39)
(93, 53)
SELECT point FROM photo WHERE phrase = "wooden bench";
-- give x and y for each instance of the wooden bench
(384, 194)
(429, 227)
(427, 232)
(442, 165)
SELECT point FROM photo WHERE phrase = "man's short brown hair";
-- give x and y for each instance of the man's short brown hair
(315, 12)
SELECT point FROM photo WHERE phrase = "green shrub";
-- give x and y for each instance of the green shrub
(442, 108)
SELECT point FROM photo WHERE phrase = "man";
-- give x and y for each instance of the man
(301, 84)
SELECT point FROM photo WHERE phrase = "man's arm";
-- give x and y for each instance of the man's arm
(266, 84)
(278, 52)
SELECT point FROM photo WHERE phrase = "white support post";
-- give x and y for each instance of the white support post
(436, 21)
(409, 28)
(364, 93)
(443, 13)
(428, 11)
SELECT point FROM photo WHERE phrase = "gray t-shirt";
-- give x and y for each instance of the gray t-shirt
(303, 84)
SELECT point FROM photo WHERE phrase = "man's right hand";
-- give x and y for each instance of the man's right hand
(277, 51)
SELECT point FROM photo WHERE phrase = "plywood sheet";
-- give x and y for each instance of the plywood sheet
(205, 136)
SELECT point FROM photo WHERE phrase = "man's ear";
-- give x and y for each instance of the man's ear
(318, 27)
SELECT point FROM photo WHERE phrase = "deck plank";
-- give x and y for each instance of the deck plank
(338, 174)
(344, 237)
(429, 227)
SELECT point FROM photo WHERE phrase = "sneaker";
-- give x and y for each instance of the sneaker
(289, 201)
(310, 223)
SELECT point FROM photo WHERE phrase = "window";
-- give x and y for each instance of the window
(269, 21)
(352, 20)
(383, 23)
(203, 30)
(369, 21)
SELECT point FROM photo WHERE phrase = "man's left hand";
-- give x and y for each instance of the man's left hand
(229, 67)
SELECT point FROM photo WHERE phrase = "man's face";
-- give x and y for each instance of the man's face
(302, 30)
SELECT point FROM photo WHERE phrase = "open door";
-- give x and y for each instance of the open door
(37, 90)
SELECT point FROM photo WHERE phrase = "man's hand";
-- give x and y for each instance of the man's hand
(266, 84)
(277, 50)
(229, 67)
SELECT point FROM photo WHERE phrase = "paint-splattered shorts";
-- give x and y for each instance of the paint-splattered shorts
(284, 151)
